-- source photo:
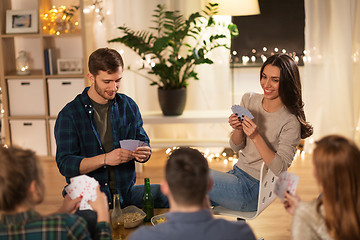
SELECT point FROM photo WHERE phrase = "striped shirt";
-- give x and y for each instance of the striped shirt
(31, 225)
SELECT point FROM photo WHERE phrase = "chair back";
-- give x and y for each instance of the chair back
(266, 190)
(266, 196)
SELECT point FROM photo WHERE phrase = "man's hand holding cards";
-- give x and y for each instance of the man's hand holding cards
(140, 150)
(84, 186)
(131, 144)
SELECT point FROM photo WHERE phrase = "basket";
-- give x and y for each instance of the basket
(137, 221)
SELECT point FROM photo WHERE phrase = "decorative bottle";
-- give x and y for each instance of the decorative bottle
(148, 201)
(22, 64)
(117, 218)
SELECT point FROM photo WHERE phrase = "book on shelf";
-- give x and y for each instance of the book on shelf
(50, 61)
(46, 61)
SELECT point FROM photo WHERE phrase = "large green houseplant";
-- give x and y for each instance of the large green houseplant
(175, 46)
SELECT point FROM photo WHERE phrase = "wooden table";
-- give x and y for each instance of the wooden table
(125, 232)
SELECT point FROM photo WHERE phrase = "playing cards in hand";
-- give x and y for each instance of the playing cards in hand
(84, 186)
(286, 182)
(131, 144)
(241, 112)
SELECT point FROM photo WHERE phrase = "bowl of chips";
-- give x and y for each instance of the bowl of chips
(133, 216)
(158, 219)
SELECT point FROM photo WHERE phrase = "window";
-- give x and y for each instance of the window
(279, 28)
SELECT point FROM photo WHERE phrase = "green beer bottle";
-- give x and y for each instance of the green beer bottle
(148, 201)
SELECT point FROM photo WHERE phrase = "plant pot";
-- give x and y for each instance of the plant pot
(172, 101)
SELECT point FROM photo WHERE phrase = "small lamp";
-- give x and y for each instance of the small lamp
(22, 64)
(237, 7)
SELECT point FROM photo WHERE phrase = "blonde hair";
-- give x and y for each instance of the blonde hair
(18, 169)
(337, 167)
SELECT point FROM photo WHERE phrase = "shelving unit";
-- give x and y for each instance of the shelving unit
(34, 92)
(188, 117)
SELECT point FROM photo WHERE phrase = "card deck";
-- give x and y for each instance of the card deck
(131, 144)
(286, 182)
(84, 186)
(241, 112)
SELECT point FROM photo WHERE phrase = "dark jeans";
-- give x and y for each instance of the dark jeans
(160, 200)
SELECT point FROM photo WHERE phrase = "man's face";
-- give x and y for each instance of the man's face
(106, 85)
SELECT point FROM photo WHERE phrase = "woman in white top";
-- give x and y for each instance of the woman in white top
(336, 214)
(271, 137)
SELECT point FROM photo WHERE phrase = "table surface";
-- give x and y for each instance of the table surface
(125, 232)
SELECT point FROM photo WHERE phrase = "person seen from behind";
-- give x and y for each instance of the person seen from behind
(22, 188)
(336, 214)
(187, 183)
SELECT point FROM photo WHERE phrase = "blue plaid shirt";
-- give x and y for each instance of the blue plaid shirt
(31, 225)
(77, 137)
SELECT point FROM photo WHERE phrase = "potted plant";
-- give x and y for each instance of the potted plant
(174, 47)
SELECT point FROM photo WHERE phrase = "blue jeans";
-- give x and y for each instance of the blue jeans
(160, 200)
(235, 190)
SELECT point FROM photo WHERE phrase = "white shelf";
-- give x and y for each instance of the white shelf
(188, 117)
(211, 116)
(165, 143)
(42, 100)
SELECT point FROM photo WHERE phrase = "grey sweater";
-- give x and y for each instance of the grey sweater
(308, 224)
(280, 130)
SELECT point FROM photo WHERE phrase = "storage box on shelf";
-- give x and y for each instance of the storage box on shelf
(31, 102)
(29, 133)
(61, 91)
(26, 97)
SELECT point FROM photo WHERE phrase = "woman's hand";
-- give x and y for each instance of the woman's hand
(235, 122)
(100, 206)
(291, 202)
(249, 128)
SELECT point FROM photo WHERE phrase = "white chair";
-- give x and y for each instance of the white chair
(266, 196)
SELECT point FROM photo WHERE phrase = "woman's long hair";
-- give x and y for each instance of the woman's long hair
(290, 89)
(337, 167)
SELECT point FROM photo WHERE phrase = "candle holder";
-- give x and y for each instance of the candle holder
(22, 64)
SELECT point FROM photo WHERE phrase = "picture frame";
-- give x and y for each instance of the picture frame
(69, 66)
(22, 21)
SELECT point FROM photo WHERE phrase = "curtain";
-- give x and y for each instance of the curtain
(331, 73)
(211, 92)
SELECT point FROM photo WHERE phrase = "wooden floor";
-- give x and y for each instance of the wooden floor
(272, 224)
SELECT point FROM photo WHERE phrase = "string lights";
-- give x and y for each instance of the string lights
(223, 157)
(61, 20)
(232, 158)
(97, 6)
(261, 55)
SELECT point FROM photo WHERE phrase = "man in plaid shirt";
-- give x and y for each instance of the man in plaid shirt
(89, 128)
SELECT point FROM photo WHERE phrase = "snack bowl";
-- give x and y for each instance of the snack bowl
(133, 216)
(155, 220)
